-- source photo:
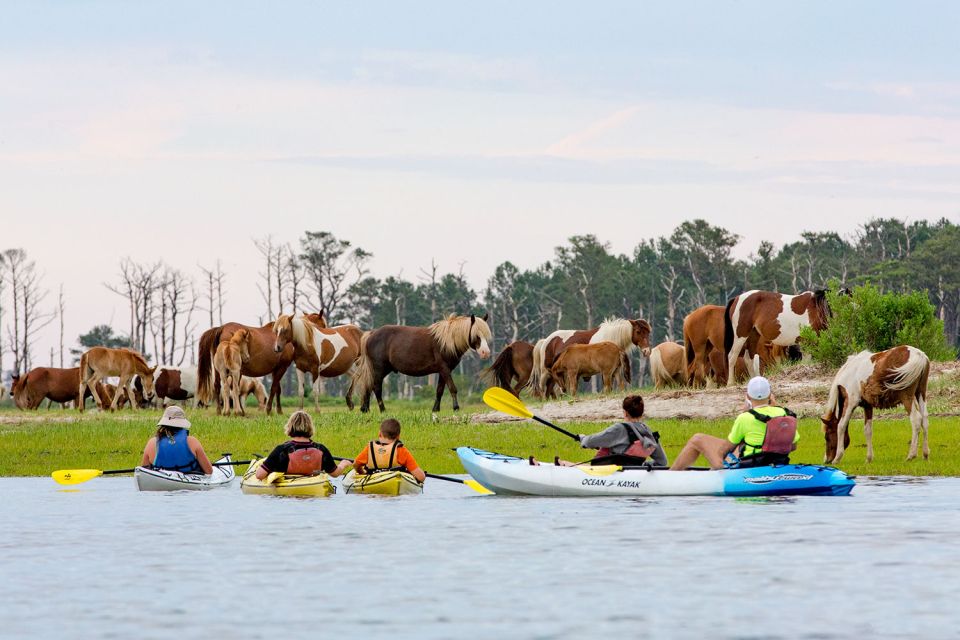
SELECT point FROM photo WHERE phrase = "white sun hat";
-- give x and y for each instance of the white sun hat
(758, 388)
(173, 416)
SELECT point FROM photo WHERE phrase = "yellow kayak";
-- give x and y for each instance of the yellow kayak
(277, 484)
(383, 483)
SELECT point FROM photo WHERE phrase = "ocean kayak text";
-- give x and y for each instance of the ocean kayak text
(599, 482)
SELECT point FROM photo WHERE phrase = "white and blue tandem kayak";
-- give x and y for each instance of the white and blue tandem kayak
(509, 475)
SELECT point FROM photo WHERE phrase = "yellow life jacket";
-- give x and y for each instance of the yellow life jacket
(382, 456)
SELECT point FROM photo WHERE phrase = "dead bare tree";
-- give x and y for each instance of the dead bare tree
(61, 309)
(172, 322)
(295, 281)
(28, 295)
(669, 284)
(138, 283)
(214, 278)
(273, 276)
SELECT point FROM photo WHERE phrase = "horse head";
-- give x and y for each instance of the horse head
(147, 379)
(480, 336)
(283, 328)
(242, 339)
(641, 336)
(818, 310)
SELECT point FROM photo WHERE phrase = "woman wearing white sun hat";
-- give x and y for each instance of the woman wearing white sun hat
(173, 448)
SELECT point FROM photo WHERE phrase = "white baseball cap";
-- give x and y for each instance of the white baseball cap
(758, 388)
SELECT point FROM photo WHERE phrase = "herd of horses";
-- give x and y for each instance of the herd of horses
(721, 345)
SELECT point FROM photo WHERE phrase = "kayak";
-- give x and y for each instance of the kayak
(317, 485)
(510, 475)
(163, 480)
(383, 483)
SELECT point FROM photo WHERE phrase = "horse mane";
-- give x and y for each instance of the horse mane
(453, 333)
(616, 330)
(137, 356)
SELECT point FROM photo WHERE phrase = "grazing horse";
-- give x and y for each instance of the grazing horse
(667, 365)
(419, 351)
(228, 361)
(102, 362)
(515, 361)
(49, 383)
(703, 345)
(171, 383)
(319, 350)
(587, 360)
(263, 360)
(626, 334)
(756, 317)
(250, 385)
(882, 381)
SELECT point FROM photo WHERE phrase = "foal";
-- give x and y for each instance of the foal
(228, 361)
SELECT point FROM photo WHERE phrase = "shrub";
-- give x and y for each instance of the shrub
(877, 321)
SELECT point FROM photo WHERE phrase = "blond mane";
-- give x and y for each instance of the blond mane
(618, 331)
(455, 332)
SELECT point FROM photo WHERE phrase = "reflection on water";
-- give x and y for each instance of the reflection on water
(102, 560)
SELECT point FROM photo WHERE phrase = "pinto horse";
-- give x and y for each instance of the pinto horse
(882, 381)
(263, 360)
(626, 334)
(319, 350)
(667, 365)
(49, 383)
(755, 317)
(419, 351)
(98, 363)
(514, 362)
(586, 360)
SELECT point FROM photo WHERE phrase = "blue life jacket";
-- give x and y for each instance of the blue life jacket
(174, 454)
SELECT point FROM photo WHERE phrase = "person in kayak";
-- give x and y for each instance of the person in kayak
(173, 448)
(757, 432)
(300, 455)
(387, 452)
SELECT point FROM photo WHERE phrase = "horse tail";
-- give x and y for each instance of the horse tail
(833, 401)
(909, 373)
(363, 376)
(625, 366)
(500, 372)
(209, 340)
(728, 326)
(689, 355)
(538, 375)
(658, 371)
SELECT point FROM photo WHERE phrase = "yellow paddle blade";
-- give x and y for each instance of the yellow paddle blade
(274, 476)
(75, 476)
(602, 470)
(502, 400)
(479, 488)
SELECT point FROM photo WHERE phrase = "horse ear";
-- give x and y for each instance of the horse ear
(154, 370)
(486, 316)
(322, 312)
(473, 319)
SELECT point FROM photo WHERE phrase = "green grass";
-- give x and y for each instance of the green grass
(65, 439)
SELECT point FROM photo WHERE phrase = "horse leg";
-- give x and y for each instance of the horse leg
(238, 405)
(607, 382)
(925, 425)
(441, 385)
(131, 398)
(573, 383)
(842, 430)
(378, 391)
(732, 357)
(914, 412)
(316, 391)
(349, 394)
(300, 377)
(868, 431)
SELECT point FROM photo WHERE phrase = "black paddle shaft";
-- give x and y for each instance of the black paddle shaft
(553, 426)
(429, 475)
(215, 464)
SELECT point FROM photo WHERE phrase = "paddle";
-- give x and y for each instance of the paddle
(473, 484)
(76, 476)
(504, 401)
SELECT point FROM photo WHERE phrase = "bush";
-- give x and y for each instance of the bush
(877, 321)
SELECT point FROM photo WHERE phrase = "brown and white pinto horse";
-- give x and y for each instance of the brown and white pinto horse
(626, 334)
(514, 362)
(667, 365)
(263, 360)
(604, 358)
(882, 381)
(754, 317)
(319, 350)
(228, 362)
(419, 351)
(102, 362)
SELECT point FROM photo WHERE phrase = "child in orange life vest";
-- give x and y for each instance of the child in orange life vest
(387, 452)
(300, 455)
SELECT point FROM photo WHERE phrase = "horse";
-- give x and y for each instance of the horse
(49, 383)
(765, 316)
(319, 350)
(263, 360)
(514, 362)
(101, 362)
(253, 386)
(419, 351)
(228, 361)
(882, 381)
(703, 345)
(604, 358)
(626, 334)
(667, 365)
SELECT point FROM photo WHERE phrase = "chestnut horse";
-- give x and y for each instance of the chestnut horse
(586, 360)
(263, 360)
(103, 362)
(320, 350)
(514, 362)
(228, 361)
(626, 334)
(419, 351)
(755, 317)
(50, 383)
(667, 365)
(703, 345)
(882, 381)
(250, 385)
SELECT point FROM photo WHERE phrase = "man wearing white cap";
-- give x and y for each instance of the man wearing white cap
(749, 430)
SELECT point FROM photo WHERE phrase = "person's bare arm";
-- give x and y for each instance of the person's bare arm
(148, 452)
(201, 455)
(344, 464)
(261, 472)
(419, 475)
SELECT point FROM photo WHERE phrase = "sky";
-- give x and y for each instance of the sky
(469, 134)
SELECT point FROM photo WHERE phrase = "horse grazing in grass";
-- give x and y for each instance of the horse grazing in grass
(252, 386)
(263, 360)
(228, 362)
(514, 362)
(319, 350)
(756, 317)
(668, 367)
(882, 381)
(626, 334)
(102, 362)
(50, 383)
(586, 360)
(419, 351)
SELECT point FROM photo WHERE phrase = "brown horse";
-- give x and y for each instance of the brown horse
(756, 317)
(102, 362)
(667, 365)
(878, 380)
(49, 383)
(586, 360)
(419, 351)
(703, 345)
(319, 350)
(263, 360)
(514, 362)
(626, 334)
(228, 361)
(253, 386)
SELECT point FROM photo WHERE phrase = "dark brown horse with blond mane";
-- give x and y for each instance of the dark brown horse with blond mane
(263, 360)
(419, 351)
(515, 362)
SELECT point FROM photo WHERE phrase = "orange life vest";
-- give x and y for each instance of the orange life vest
(382, 456)
(305, 462)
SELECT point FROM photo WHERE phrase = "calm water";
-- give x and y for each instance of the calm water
(109, 562)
